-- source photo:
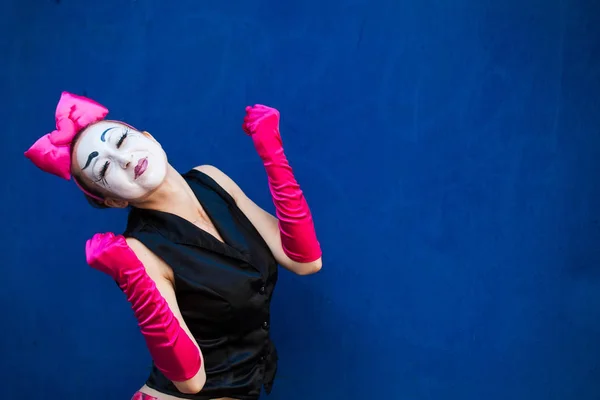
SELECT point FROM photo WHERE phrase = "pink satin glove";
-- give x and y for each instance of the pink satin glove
(298, 236)
(262, 124)
(172, 350)
(111, 254)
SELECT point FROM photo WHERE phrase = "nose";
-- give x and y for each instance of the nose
(124, 160)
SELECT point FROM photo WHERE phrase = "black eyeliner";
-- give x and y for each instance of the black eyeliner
(123, 136)
(103, 171)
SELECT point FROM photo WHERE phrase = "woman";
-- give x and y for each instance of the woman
(198, 259)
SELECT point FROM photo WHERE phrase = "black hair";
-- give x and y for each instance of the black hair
(93, 202)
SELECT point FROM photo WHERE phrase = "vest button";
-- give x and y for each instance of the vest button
(262, 290)
(265, 325)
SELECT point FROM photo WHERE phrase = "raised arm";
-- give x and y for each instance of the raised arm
(266, 224)
(296, 228)
(141, 276)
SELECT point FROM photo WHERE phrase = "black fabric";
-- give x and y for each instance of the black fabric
(223, 290)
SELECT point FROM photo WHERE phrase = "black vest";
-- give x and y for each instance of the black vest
(223, 290)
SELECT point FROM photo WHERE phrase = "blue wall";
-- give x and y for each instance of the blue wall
(449, 151)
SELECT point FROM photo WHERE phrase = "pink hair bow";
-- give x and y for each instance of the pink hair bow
(52, 152)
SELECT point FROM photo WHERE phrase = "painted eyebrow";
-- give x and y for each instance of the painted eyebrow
(94, 154)
(104, 134)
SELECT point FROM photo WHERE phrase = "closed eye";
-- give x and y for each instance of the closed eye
(103, 171)
(102, 174)
(122, 138)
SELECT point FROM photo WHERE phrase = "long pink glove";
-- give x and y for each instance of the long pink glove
(298, 236)
(172, 350)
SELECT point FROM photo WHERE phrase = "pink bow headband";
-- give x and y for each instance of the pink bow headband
(52, 152)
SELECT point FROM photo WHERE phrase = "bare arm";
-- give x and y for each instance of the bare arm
(265, 223)
(162, 276)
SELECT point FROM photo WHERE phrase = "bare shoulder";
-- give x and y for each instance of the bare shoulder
(222, 179)
(155, 267)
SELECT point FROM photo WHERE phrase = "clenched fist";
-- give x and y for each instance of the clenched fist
(110, 254)
(260, 118)
(262, 124)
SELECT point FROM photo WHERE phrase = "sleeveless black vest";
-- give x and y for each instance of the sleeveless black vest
(223, 290)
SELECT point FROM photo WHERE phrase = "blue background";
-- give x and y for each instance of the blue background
(449, 151)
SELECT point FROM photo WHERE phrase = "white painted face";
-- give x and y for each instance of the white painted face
(121, 160)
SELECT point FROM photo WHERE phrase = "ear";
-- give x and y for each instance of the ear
(146, 133)
(114, 203)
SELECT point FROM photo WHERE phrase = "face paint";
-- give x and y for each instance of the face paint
(121, 160)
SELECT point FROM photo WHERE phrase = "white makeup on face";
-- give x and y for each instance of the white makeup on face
(120, 159)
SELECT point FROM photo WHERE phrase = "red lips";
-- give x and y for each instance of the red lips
(140, 168)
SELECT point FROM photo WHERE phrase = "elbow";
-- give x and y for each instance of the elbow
(191, 388)
(194, 385)
(310, 268)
